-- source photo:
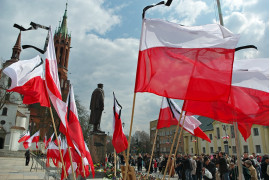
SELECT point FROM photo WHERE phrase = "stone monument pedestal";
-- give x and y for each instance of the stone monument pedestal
(98, 147)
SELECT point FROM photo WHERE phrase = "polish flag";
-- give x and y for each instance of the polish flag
(226, 137)
(182, 62)
(46, 142)
(53, 153)
(27, 79)
(74, 128)
(53, 84)
(33, 138)
(59, 139)
(119, 139)
(24, 136)
(169, 115)
(249, 99)
(89, 160)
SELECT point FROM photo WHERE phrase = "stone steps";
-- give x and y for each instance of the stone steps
(8, 153)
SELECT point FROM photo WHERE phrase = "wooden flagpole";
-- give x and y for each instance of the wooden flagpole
(83, 168)
(114, 154)
(176, 132)
(70, 158)
(175, 152)
(129, 137)
(55, 132)
(239, 161)
(154, 143)
(126, 169)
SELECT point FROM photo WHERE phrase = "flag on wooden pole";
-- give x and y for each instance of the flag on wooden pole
(27, 79)
(119, 139)
(183, 62)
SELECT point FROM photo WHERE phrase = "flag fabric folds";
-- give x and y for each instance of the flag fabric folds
(53, 84)
(119, 139)
(182, 62)
(33, 138)
(47, 141)
(27, 79)
(169, 115)
(74, 128)
(24, 136)
(249, 99)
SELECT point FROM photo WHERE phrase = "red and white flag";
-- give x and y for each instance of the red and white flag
(182, 62)
(53, 84)
(59, 139)
(24, 136)
(33, 138)
(74, 128)
(226, 137)
(169, 115)
(119, 139)
(249, 99)
(53, 153)
(46, 142)
(27, 79)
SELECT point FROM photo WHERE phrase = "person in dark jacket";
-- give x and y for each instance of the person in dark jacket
(223, 168)
(187, 168)
(178, 165)
(139, 162)
(264, 168)
(27, 157)
(210, 167)
(199, 168)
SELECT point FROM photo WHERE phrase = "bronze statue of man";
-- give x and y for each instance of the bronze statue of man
(96, 107)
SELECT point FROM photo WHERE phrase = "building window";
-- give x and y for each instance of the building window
(203, 149)
(219, 149)
(190, 138)
(211, 136)
(4, 112)
(232, 132)
(256, 131)
(218, 133)
(211, 149)
(245, 149)
(258, 149)
(234, 149)
(191, 150)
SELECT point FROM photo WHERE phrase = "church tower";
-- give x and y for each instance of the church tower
(62, 42)
(16, 51)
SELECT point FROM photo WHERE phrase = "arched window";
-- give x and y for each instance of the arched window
(4, 112)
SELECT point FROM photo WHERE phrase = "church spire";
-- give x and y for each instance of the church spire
(17, 49)
(63, 28)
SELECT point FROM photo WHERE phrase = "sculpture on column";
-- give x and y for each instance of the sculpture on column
(96, 107)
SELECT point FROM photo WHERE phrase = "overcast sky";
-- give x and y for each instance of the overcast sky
(105, 40)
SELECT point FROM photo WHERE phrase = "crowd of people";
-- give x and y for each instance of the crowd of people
(219, 166)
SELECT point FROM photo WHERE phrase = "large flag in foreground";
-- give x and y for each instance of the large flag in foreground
(182, 62)
(119, 139)
(27, 79)
(169, 115)
(249, 99)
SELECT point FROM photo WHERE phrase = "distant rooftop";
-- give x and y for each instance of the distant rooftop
(207, 123)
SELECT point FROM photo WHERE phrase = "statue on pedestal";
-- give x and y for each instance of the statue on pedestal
(96, 107)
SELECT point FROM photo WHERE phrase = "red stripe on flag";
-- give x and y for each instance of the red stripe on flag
(185, 73)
